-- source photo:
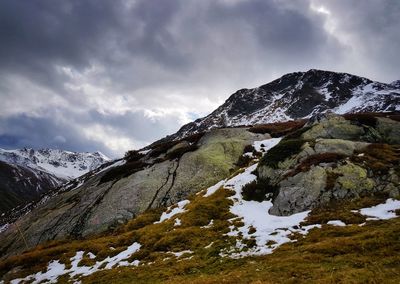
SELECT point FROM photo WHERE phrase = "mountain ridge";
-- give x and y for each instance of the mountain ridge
(60, 163)
(298, 95)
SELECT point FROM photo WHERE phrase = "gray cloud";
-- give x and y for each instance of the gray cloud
(113, 75)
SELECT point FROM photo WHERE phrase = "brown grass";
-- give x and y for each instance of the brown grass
(278, 129)
(350, 254)
(369, 118)
(314, 160)
(380, 158)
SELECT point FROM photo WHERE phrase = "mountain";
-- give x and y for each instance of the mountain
(238, 196)
(20, 185)
(65, 165)
(307, 201)
(299, 95)
(26, 174)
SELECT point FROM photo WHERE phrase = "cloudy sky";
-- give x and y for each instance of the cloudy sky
(115, 75)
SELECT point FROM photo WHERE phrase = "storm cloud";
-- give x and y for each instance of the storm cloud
(116, 75)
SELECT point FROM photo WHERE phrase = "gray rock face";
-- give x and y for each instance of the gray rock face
(97, 206)
(334, 127)
(299, 193)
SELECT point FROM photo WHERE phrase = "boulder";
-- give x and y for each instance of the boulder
(389, 129)
(300, 192)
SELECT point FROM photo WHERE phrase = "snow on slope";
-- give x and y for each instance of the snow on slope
(56, 269)
(63, 164)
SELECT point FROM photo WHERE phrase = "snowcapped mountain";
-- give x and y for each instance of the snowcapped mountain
(26, 174)
(64, 165)
(299, 95)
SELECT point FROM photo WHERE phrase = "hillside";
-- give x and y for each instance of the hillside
(305, 201)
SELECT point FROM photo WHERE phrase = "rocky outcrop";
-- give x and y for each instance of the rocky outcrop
(159, 180)
(330, 164)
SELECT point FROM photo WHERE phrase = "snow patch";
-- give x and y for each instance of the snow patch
(383, 211)
(56, 269)
(174, 211)
(212, 189)
(337, 223)
(180, 253)
(178, 222)
(266, 144)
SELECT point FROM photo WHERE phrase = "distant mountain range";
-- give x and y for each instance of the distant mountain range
(299, 95)
(25, 174)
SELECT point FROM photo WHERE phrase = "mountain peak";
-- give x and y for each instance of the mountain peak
(299, 95)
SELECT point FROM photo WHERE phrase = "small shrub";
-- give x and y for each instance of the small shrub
(194, 138)
(133, 156)
(162, 148)
(257, 190)
(248, 149)
(123, 171)
(178, 153)
(252, 230)
(278, 129)
(243, 161)
(281, 152)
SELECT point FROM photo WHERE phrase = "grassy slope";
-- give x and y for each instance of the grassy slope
(351, 254)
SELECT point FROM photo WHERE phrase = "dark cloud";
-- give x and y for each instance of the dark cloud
(36, 132)
(131, 71)
(65, 130)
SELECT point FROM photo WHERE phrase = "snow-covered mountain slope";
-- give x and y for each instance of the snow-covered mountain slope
(62, 164)
(299, 95)
(27, 174)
